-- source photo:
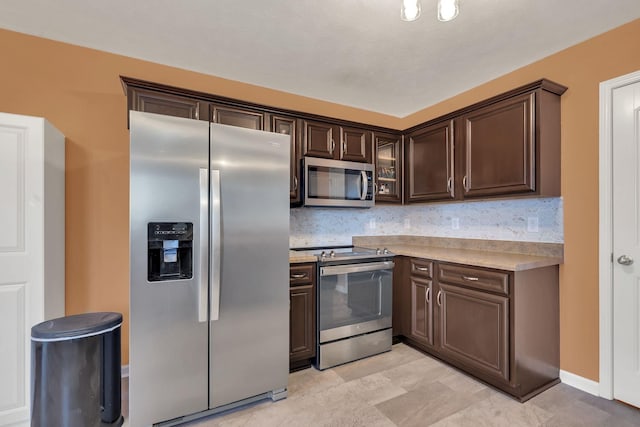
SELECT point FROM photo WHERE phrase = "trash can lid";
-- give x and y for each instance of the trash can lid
(76, 326)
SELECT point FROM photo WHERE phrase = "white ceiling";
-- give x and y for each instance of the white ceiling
(352, 52)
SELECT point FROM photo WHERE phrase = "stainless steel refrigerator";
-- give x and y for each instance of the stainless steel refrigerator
(209, 285)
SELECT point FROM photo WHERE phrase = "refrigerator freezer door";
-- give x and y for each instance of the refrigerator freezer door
(168, 359)
(250, 339)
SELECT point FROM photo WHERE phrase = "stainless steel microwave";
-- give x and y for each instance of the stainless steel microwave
(337, 183)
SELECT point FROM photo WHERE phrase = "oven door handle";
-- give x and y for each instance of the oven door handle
(355, 268)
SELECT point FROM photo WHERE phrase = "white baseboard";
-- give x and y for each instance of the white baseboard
(581, 383)
(125, 371)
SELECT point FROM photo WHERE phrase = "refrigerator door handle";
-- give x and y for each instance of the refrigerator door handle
(216, 219)
(203, 286)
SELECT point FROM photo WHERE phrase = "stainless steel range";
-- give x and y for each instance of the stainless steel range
(354, 304)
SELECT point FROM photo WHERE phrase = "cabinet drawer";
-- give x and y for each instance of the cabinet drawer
(421, 267)
(473, 277)
(301, 274)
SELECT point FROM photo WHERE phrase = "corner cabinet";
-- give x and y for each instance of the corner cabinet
(500, 326)
(302, 315)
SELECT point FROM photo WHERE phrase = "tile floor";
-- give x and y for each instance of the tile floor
(404, 387)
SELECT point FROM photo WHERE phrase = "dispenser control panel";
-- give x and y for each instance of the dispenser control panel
(170, 251)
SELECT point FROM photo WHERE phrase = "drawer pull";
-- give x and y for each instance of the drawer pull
(439, 298)
(299, 276)
(428, 295)
(470, 278)
(423, 269)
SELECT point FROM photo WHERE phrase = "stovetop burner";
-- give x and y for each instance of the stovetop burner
(337, 253)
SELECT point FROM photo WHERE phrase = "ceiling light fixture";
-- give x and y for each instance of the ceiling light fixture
(410, 10)
(447, 10)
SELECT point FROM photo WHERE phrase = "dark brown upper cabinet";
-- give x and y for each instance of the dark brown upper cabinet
(237, 117)
(430, 163)
(507, 145)
(510, 144)
(388, 159)
(356, 145)
(151, 101)
(289, 126)
(331, 141)
(320, 139)
(499, 148)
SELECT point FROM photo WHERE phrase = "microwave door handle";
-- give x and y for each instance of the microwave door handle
(363, 192)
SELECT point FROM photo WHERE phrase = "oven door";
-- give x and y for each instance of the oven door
(354, 299)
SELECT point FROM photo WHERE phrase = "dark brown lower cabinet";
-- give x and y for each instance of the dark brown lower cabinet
(302, 316)
(422, 310)
(500, 326)
(474, 329)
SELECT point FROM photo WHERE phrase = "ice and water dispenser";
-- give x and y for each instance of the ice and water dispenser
(170, 251)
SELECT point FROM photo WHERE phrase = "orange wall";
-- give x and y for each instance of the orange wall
(78, 90)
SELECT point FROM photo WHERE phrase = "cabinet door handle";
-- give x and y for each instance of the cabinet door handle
(470, 278)
(344, 146)
(295, 183)
(439, 298)
(449, 180)
(299, 276)
(333, 145)
(428, 295)
(464, 183)
(422, 269)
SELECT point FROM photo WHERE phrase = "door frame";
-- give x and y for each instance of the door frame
(605, 256)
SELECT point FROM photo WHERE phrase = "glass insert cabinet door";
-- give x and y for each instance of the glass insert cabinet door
(388, 168)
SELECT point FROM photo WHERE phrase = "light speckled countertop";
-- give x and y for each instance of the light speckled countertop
(501, 255)
(297, 257)
(478, 258)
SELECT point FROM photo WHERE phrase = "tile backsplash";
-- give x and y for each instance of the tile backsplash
(513, 219)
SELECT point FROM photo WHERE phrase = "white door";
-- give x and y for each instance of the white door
(626, 243)
(21, 222)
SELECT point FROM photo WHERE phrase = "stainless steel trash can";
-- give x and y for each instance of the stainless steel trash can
(75, 371)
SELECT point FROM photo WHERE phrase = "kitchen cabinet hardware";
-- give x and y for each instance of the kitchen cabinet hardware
(470, 278)
(464, 183)
(425, 269)
(295, 183)
(299, 276)
(439, 298)
(333, 145)
(428, 295)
